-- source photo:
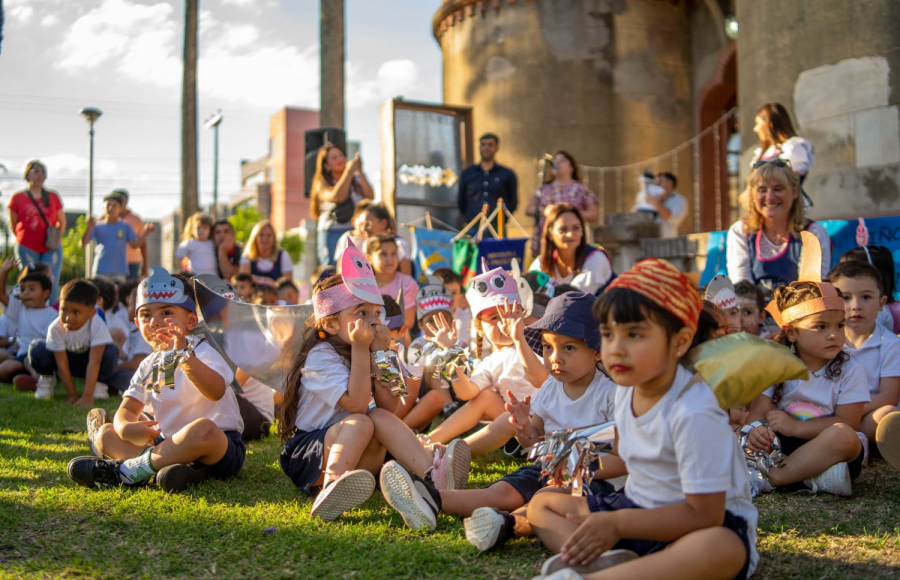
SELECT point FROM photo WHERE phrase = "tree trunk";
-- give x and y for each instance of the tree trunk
(189, 201)
(331, 39)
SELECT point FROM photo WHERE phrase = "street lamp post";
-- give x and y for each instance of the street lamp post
(90, 114)
(213, 122)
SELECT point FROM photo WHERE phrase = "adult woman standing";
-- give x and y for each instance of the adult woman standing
(336, 189)
(562, 184)
(264, 258)
(565, 254)
(32, 213)
(779, 140)
(764, 245)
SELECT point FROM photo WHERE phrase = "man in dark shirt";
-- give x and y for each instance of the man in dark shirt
(228, 251)
(486, 182)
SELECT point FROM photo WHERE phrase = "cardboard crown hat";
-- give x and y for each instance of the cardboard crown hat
(433, 297)
(359, 285)
(810, 270)
(491, 288)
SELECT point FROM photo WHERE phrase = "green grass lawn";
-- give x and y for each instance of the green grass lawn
(257, 524)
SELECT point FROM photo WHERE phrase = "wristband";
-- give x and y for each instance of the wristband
(745, 430)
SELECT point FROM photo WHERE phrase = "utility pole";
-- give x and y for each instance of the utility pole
(214, 122)
(91, 115)
(189, 202)
(331, 39)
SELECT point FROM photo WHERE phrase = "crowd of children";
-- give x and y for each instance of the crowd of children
(506, 361)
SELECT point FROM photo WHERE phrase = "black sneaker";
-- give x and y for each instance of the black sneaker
(96, 418)
(513, 449)
(487, 528)
(417, 500)
(181, 476)
(94, 472)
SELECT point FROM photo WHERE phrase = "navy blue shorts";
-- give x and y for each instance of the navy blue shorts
(302, 459)
(21, 358)
(791, 444)
(230, 463)
(527, 481)
(619, 501)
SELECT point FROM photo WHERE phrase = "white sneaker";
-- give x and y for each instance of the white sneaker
(608, 559)
(486, 528)
(348, 491)
(759, 483)
(45, 387)
(834, 480)
(101, 391)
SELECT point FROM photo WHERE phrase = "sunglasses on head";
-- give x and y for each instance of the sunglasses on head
(775, 162)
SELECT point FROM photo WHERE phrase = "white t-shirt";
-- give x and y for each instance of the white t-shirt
(33, 324)
(324, 381)
(462, 319)
(93, 333)
(797, 150)
(595, 273)
(114, 322)
(819, 396)
(201, 255)
(404, 249)
(558, 411)
(135, 344)
(737, 251)
(677, 206)
(684, 445)
(261, 397)
(879, 357)
(176, 407)
(266, 265)
(503, 371)
(411, 359)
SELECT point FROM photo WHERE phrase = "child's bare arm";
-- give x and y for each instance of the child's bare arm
(5, 268)
(849, 414)
(93, 369)
(359, 387)
(65, 375)
(529, 428)
(463, 387)
(208, 381)
(888, 395)
(513, 317)
(130, 425)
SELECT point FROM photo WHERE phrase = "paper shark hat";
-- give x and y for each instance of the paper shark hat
(162, 287)
(433, 297)
(810, 271)
(490, 289)
(526, 294)
(359, 285)
(217, 285)
(397, 321)
(720, 292)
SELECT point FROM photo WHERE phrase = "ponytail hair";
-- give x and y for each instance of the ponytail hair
(792, 295)
(313, 334)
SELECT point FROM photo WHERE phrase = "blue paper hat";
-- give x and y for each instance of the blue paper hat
(162, 287)
(570, 314)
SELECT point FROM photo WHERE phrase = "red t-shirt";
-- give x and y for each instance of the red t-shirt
(30, 230)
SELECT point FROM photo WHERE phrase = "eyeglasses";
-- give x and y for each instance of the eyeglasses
(775, 162)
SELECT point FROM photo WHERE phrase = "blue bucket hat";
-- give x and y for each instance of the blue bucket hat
(570, 314)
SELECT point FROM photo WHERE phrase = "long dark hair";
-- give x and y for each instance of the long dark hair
(792, 295)
(548, 248)
(313, 335)
(576, 171)
(779, 126)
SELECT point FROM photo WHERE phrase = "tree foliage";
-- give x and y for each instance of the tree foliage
(73, 253)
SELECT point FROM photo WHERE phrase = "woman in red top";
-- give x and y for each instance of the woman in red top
(25, 209)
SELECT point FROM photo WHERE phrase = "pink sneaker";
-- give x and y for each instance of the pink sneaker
(451, 466)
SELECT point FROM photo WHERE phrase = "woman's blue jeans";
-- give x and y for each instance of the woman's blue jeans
(53, 257)
(326, 243)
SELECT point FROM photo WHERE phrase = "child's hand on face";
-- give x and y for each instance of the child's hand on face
(361, 333)
(519, 411)
(141, 432)
(512, 320)
(760, 439)
(442, 333)
(382, 337)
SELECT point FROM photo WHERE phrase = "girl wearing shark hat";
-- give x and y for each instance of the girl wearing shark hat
(512, 366)
(334, 441)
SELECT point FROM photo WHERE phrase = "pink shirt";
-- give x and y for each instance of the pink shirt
(410, 288)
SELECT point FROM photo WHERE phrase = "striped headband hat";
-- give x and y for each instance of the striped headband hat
(666, 286)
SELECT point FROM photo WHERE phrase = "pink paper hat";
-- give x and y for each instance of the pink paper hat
(359, 285)
(491, 289)
(720, 292)
(433, 297)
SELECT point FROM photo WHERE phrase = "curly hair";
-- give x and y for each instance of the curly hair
(287, 412)
(792, 295)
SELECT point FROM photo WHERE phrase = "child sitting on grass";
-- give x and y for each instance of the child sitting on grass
(876, 349)
(461, 314)
(78, 345)
(381, 250)
(512, 366)
(576, 394)
(685, 511)
(196, 432)
(815, 420)
(751, 305)
(334, 441)
(31, 318)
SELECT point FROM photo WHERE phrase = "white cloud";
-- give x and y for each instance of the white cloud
(50, 20)
(19, 12)
(393, 78)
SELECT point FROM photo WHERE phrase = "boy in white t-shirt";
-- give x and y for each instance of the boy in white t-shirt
(78, 345)
(31, 321)
(196, 433)
(876, 349)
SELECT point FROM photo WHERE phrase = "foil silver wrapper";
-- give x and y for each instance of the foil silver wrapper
(445, 361)
(392, 372)
(162, 373)
(566, 455)
(761, 460)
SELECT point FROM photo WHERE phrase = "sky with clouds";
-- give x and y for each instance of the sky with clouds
(124, 57)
